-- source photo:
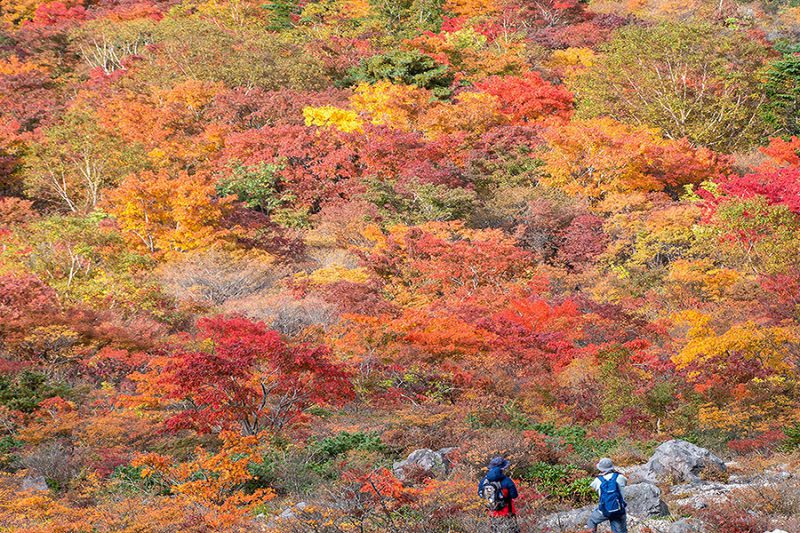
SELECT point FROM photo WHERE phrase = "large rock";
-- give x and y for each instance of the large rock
(644, 500)
(678, 461)
(572, 520)
(423, 463)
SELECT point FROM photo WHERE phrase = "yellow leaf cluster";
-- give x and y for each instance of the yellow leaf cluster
(13, 67)
(356, 9)
(167, 214)
(572, 60)
(471, 8)
(329, 116)
(395, 105)
(772, 345)
(192, 93)
(334, 273)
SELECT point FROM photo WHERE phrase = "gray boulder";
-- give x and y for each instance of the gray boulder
(34, 483)
(644, 500)
(687, 525)
(572, 520)
(680, 461)
(425, 462)
(291, 512)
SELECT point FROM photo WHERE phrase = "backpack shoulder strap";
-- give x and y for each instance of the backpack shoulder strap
(608, 483)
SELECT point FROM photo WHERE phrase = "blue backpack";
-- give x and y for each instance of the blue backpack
(612, 504)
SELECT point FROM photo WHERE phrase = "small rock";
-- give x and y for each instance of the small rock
(776, 531)
(424, 461)
(35, 483)
(291, 512)
(681, 461)
(687, 525)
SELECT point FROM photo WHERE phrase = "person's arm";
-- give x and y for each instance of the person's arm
(512, 489)
(622, 481)
(596, 485)
(480, 487)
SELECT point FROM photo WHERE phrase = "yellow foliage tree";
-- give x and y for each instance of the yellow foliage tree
(775, 346)
(334, 273)
(472, 114)
(166, 213)
(603, 159)
(571, 60)
(471, 8)
(395, 105)
(214, 482)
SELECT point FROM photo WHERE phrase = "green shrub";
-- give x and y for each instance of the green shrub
(8, 448)
(128, 479)
(410, 67)
(25, 391)
(574, 437)
(563, 482)
(343, 442)
(792, 441)
(258, 186)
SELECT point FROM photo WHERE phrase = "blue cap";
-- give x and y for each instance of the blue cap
(499, 462)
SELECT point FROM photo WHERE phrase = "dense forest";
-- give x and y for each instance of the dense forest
(252, 253)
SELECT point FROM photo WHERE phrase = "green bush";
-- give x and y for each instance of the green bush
(574, 437)
(406, 67)
(563, 482)
(25, 391)
(792, 441)
(8, 447)
(258, 187)
(128, 479)
(343, 442)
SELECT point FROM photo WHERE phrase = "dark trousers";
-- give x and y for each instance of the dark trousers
(618, 525)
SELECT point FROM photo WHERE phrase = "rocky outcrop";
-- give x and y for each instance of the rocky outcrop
(275, 522)
(423, 463)
(701, 495)
(678, 461)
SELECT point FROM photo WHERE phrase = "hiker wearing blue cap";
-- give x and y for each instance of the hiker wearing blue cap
(609, 485)
(499, 491)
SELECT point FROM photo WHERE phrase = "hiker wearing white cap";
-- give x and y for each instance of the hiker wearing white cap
(609, 485)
